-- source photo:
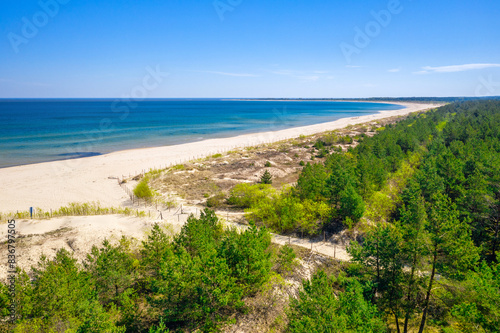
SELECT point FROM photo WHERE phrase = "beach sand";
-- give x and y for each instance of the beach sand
(51, 185)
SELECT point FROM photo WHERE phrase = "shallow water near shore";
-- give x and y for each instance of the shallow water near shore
(41, 130)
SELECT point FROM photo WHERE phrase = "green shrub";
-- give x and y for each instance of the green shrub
(283, 148)
(267, 164)
(286, 260)
(319, 144)
(348, 223)
(161, 328)
(330, 139)
(216, 200)
(179, 167)
(143, 191)
(286, 212)
(246, 195)
(322, 153)
(346, 139)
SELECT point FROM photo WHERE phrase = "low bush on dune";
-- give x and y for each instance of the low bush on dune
(247, 195)
(143, 191)
(216, 201)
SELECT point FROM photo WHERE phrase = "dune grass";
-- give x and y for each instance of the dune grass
(73, 209)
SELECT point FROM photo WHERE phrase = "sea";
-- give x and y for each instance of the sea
(42, 130)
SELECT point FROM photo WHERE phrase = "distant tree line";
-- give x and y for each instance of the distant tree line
(449, 99)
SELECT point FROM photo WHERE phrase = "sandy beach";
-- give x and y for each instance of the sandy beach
(54, 184)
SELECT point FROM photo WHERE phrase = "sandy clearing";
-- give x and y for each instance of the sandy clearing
(76, 234)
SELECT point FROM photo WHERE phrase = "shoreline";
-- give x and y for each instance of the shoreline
(50, 185)
(223, 135)
(160, 128)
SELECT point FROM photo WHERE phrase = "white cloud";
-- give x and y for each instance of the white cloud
(352, 66)
(394, 70)
(302, 75)
(455, 68)
(283, 72)
(308, 77)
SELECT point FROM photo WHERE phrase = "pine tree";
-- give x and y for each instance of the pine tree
(266, 178)
(412, 224)
(312, 182)
(381, 252)
(155, 249)
(452, 251)
(321, 308)
(112, 268)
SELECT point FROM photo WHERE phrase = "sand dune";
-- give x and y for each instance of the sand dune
(54, 184)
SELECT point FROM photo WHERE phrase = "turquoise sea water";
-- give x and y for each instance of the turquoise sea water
(40, 130)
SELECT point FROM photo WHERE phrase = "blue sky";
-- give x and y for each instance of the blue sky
(244, 48)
